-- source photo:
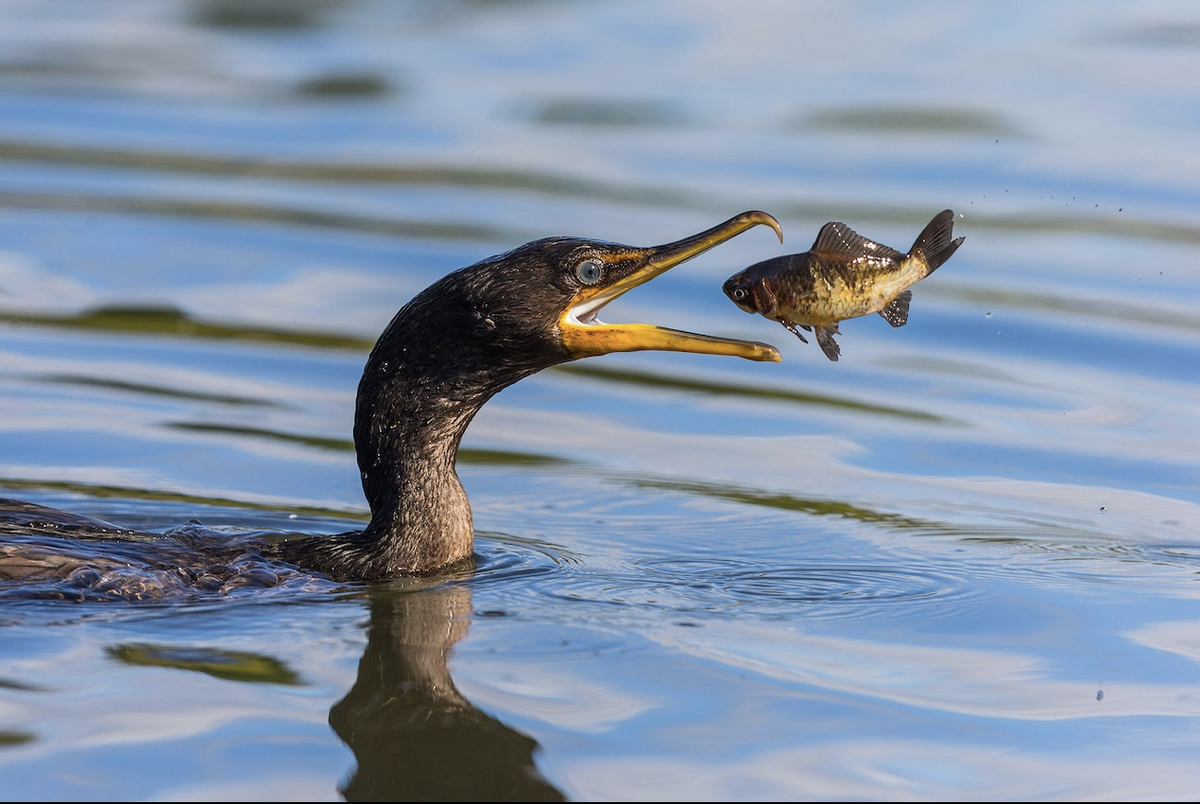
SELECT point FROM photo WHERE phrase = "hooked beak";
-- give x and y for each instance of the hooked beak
(584, 335)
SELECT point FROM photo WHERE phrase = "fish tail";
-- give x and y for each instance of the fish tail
(937, 243)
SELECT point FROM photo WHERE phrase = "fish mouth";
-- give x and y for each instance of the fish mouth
(585, 335)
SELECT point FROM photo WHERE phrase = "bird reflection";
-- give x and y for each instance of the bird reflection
(414, 735)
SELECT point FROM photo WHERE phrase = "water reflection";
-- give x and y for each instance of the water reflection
(262, 15)
(228, 664)
(414, 736)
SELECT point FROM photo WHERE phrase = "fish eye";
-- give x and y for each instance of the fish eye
(739, 294)
(589, 272)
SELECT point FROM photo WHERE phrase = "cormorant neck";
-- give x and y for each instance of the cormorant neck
(430, 372)
(407, 431)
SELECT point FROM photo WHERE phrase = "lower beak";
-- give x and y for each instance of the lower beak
(584, 335)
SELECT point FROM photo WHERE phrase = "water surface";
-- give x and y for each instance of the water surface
(960, 563)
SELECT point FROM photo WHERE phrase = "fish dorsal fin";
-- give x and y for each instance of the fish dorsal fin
(895, 312)
(836, 237)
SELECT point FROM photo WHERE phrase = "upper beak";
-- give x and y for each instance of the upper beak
(584, 335)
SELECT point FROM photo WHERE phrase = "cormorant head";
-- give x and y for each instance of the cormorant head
(486, 326)
(541, 301)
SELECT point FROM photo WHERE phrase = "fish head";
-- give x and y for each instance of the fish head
(750, 291)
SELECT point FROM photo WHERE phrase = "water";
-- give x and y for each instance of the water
(961, 563)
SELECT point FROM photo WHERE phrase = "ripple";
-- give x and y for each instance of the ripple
(1184, 555)
(504, 560)
(728, 585)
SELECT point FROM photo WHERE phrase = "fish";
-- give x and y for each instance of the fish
(844, 275)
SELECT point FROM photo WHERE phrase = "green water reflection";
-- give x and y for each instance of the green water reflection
(230, 665)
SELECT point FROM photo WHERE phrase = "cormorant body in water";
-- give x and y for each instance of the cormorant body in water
(445, 353)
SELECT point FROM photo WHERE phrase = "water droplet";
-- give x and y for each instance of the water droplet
(1103, 510)
(988, 315)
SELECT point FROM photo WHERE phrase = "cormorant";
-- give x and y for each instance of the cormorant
(445, 353)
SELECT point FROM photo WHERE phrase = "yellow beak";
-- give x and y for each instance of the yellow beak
(585, 336)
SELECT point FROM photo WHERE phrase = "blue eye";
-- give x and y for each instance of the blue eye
(589, 272)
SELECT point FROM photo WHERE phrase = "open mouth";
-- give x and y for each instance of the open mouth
(584, 334)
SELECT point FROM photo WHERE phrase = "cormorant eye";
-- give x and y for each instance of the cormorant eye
(589, 272)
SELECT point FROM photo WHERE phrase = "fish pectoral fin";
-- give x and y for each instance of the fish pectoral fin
(827, 343)
(895, 312)
(790, 327)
